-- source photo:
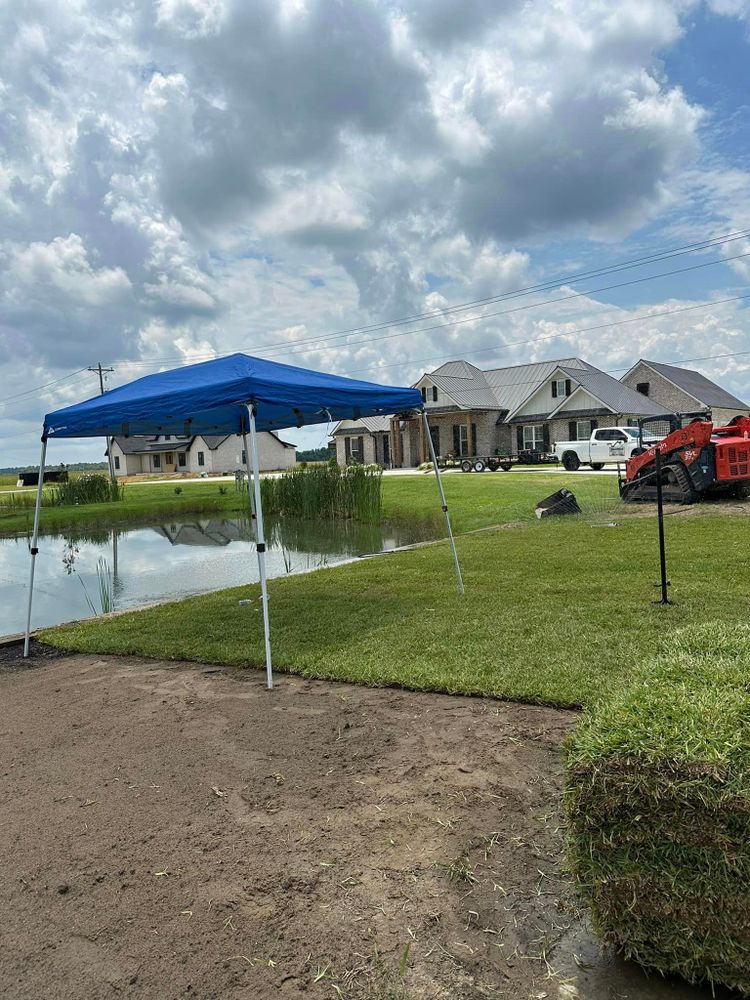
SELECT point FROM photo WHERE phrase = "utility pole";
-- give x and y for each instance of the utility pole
(98, 370)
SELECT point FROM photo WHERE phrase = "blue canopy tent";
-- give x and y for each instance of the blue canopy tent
(231, 395)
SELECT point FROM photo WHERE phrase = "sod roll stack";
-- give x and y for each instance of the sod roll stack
(658, 804)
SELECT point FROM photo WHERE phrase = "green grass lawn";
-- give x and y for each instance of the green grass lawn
(142, 502)
(476, 500)
(558, 612)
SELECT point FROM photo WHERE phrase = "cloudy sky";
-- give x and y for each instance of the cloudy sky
(185, 177)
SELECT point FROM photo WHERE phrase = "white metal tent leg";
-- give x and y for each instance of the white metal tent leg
(260, 545)
(34, 550)
(250, 485)
(443, 504)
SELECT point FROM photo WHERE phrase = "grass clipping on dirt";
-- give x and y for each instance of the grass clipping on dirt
(658, 804)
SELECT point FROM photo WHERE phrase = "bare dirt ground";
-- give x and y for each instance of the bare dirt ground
(176, 831)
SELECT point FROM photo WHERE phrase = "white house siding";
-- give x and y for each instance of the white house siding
(580, 400)
(130, 465)
(272, 455)
(542, 400)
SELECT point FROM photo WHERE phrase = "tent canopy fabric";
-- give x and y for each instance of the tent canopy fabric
(212, 397)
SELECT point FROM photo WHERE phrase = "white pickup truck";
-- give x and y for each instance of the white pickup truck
(606, 445)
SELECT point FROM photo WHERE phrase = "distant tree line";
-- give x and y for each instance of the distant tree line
(73, 467)
(314, 455)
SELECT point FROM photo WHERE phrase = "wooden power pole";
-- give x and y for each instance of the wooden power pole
(98, 370)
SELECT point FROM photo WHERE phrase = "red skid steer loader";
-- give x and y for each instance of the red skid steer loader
(696, 461)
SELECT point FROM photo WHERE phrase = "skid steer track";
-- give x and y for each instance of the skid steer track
(676, 486)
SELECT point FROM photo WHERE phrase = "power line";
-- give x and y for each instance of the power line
(556, 336)
(39, 388)
(655, 257)
(286, 352)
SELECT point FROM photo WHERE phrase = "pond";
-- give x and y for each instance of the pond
(173, 559)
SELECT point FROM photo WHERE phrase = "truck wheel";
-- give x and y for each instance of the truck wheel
(597, 466)
(479, 465)
(571, 461)
(466, 466)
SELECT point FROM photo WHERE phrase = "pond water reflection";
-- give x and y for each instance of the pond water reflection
(174, 559)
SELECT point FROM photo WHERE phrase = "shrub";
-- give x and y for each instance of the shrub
(178, 490)
(325, 491)
(91, 488)
(658, 804)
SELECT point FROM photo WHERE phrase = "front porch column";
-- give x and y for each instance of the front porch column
(397, 450)
(470, 443)
(422, 443)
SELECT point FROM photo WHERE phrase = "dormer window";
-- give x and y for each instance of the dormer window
(560, 387)
(434, 394)
(424, 394)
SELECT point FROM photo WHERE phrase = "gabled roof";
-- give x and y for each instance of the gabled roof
(499, 388)
(373, 425)
(513, 386)
(472, 394)
(696, 385)
(613, 394)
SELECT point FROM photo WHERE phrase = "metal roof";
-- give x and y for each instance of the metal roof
(618, 397)
(472, 394)
(498, 388)
(697, 385)
(373, 425)
(513, 386)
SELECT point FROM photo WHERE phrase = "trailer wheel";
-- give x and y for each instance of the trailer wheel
(597, 466)
(571, 461)
(466, 466)
(479, 465)
(506, 467)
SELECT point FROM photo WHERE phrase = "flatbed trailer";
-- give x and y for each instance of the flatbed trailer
(496, 463)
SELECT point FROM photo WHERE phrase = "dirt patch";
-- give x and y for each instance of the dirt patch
(172, 831)
(12, 658)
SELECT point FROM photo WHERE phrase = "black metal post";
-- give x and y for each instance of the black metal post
(660, 518)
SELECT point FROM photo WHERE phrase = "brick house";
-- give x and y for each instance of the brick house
(681, 390)
(501, 411)
(167, 454)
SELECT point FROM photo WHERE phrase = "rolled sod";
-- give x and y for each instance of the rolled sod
(658, 804)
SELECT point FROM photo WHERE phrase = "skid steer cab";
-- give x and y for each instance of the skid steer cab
(697, 460)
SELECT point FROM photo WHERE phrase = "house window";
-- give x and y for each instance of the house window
(533, 437)
(424, 394)
(560, 387)
(461, 447)
(434, 394)
(354, 449)
(244, 457)
(169, 458)
(643, 388)
(157, 461)
(201, 458)
(583, 430)
(117, 461)
(167, 437)
(182, 459)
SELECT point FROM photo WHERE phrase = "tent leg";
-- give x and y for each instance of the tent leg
(443, 504)
(250, 486)
(34, 549)
(260, 545)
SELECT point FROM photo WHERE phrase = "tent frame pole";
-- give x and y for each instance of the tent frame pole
(250, 484)
(260, 545)
(34, 549)
(443, 504)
